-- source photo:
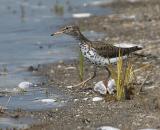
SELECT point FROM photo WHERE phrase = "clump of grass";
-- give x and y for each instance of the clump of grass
(124, 78)
(81, 66)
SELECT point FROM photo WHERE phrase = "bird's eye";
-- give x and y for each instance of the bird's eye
(66, 27)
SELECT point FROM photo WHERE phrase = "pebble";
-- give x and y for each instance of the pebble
(26, 85)
(75, 100)
(111, 86)
(70, 68)
(102, 89)
(85, 99)
(59, 66)
(52, 71)
(107, 128)
(77, 115)
(69, 87)
(95, 99)
(81, 15)
(46, 100)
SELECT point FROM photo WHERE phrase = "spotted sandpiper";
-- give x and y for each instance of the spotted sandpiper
(97, 52)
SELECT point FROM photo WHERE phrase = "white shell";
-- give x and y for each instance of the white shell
(81, 15)
(47, 100)
(70, 68)
(100, 87)
(107, 128)
(25, 85)
(69, 87)
(95, 99)
(111, 86)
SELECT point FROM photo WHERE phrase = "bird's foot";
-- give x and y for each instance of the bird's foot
(82, 84)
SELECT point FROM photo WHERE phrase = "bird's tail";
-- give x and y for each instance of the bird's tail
(135, 48)
(129, 50)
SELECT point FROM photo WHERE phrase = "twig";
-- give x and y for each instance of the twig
(143, 67)
(140, 90)
(8, 101)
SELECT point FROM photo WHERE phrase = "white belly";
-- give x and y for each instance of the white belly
(95, 58)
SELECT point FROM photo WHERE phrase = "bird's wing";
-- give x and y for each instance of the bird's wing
(109, 51)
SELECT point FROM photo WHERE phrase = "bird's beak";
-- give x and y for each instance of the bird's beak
(57, 33)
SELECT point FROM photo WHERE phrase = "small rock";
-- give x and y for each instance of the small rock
(77, 115)
(69, 87)
(59, 66)
(66, 75)
(75, 100)
(95, 99)
(70, 68)
(107, 128)
(31, 68)
(81, 15)
(26, 85)
(111, 86)
(100, 87)
(52, 71)
(46, 100)
(85, 99)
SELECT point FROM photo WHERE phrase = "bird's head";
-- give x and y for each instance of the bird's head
(72, 30)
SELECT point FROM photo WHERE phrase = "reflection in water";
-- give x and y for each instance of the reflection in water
(58, 8)
(3, 69)
(69, 6)
(10, 123)
(18, 38)
(23, 11)
(33, 99)
(25, 41)
(25, 36)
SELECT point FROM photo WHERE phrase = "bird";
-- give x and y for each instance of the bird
(99, 53)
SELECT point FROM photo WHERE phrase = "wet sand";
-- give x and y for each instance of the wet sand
(133, 22)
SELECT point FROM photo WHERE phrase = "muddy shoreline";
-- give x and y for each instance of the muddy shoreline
(135, 22)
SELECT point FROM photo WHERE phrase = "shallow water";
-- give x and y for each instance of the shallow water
(25, 40)
(34, 99)
(21, 123)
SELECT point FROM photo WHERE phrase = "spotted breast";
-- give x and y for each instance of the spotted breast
(94, 57)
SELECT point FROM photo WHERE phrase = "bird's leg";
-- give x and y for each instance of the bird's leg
(105, 81)
(109, 73)
(90, 78)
